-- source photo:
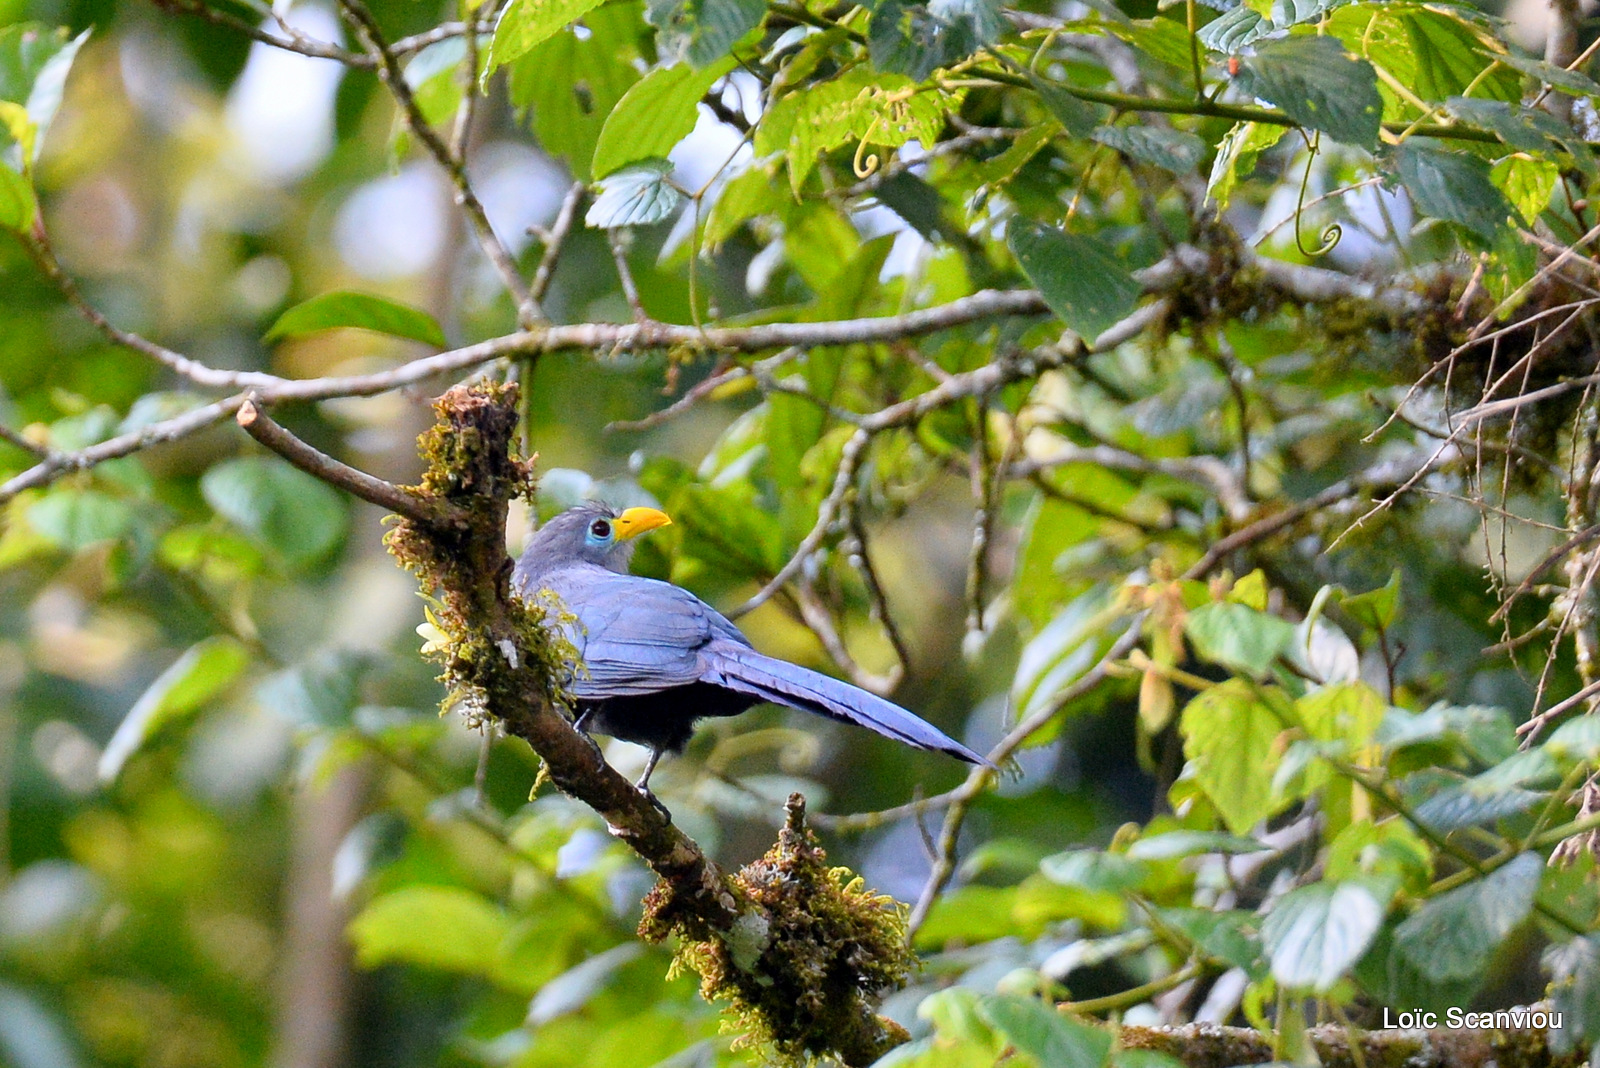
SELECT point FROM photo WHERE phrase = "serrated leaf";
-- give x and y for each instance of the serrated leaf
(1173, 150)
(1453, 936)
(1469, 804)
(1230, 737)
(654, 115)
(1527, 183)
(1318, 85)
(202, 672)
(917, 38)
(523, 25)
(1082, 280)
(1317, 933)
(701, 31)
(1569, 81)
(570, 83)
(636, 195)
(1062, 651)
(1045, 1034)
(1430, 49)
(361, 311)
(1530, 129)
(286, 511)
(444, 927)
(1238, 637)
(1452, 186)
(1234, 29)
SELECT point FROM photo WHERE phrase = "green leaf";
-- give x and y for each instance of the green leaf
(578, 985)
(1453, 936)
(1432, 50)
(75, 519)
(636, 195)
(1231, 936)
(654, 115)
(1452, 186)
(1238, 637)
(1381, 851)
(1527, 183)
(1315, 934)
(1530, 129)
(883, 110)
(1569, 81)
(523, 25)
(1230, 736)
(916, 38)
(282, 509)
(751, 193)
(18, 206)
(1092, 869)
(1237, 155)
(1082, 280)
(702, 31)
(202, 672)
(1233, 30)
(444, 927)
(1319, 86)
(321, 692)
(1067, 647)
(1470, 803)
(1045, 1034)
(570, 83)
(34, 64)
(361, 311)
(1578, 739)
(1172, 150)
(1376, 609)
(1175, 844)
(432, 75)
(1575, 992)
(1078, 117)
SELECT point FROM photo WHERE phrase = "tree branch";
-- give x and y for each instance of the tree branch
(260, 426)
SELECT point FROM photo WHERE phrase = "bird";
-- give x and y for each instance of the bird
(656, 659)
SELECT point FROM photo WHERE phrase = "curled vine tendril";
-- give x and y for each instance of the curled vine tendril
(865, 164)
(1332, 233)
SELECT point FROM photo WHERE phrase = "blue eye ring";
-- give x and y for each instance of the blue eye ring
(600, 529)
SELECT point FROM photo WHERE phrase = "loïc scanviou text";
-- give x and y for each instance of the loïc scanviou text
(1458, 1019)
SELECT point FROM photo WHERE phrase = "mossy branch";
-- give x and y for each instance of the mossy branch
(801, 952)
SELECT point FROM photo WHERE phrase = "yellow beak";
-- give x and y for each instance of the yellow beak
(635, 521)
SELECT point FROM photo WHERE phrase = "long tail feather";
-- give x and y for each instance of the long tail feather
(747, 671)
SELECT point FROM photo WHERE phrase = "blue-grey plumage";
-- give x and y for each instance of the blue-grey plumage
(656, 658)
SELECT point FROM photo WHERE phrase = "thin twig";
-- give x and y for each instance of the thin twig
(554, 239)
(260, 426)
(367, 29)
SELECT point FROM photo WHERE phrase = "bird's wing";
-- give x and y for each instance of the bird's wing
(635, 635)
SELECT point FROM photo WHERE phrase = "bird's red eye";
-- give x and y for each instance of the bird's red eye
(600, 528)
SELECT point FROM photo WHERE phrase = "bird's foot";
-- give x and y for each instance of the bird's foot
(650, 796)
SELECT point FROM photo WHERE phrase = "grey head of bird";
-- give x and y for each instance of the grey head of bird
(591, 533)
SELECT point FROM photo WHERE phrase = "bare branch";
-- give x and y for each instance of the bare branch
(367, 29)
(21, 442)
(555, 238)
(38, 247)
(260, 426)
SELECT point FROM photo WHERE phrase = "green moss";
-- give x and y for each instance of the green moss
(805, 968)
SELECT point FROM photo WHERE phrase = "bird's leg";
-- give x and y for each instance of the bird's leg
(643, 785)
(581, 726)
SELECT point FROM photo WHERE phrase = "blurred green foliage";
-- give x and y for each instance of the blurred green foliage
(234, 829)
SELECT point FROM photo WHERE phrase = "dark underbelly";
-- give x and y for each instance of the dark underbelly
(663, 720)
